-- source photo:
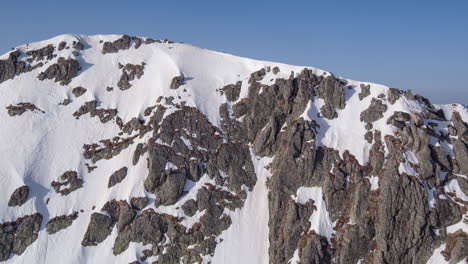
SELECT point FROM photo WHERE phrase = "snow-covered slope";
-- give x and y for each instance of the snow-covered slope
(135, 78)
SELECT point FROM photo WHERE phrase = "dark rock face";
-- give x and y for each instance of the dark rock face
(117, 177)
(190, 207)
(12, 67)
(456, 249)
(21, 108)
(129, 73)
(139, 202)
(122, 43)
(177, 82)
(78, 91)
(8, 68)
(46, 53)
(17, 236)
(374, 112)
(19, 196)
(70, 183)
(104, 115)
(62, 45)
(332, 92)
(171, 188)
(99, 228)
(63, 71)
(393, 95)
(276, 70)
(78, 45)
(232, 91)
(60, 222)
(365, 91)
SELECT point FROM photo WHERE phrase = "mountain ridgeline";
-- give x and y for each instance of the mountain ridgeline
(119, 149)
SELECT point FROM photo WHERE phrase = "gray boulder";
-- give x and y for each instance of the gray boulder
(19, 196)
(99, 228)
(117, 177)
(374, 112)
(60, 222)
(63, 71)
(177, 82)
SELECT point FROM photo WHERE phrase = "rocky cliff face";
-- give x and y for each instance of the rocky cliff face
(203, 157)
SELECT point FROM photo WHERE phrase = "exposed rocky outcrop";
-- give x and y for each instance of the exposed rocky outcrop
(332, 92)
(19, 196)
(11, 67)
(69, 183)
(365, 91)
(17, 236)
(117, 177)
(177, 82)
(139, 202)
(77, 45)
(104, 115)
(129, 73)
(60, 222)
(45, 53)
(78, 91)
(21, 108)
(122, 43)
(232, 91)
(393, 95)
(107, 148)
(374, 112)
(456, 248)
(63, 71)
(99, 228)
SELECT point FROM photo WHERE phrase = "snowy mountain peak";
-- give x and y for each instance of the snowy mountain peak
(129, 149)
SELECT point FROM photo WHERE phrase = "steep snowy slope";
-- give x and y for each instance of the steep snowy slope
(135, 149)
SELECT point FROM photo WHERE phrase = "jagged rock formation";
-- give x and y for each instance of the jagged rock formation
(21, 108)
(19, 196)
(238, 162)
(117, 177)
(60, 222)
(63, 71)
(18, 235)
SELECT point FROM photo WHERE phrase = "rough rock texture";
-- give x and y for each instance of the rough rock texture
(365, 91)
(99, 228)
(232, 91)
(122, 43)
(19, 196)
(78, 91)
(70, 182)
(139, 202)
(63, 71)
(44, 53)
(393, 95)
(129, 73)
(104, 115)
(177, 82)
(374, 112)
(21, 108)
(60, 222)
(117, 177)
(17, 236)
(332, 92)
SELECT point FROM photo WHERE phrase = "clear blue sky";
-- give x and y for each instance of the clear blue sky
(417, 45)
